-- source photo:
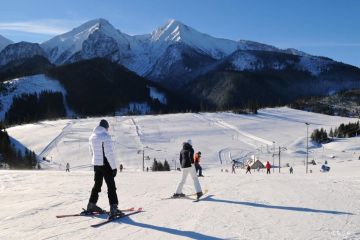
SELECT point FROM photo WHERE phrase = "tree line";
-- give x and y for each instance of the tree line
(343, 131)
(35, 107)
(159, 166)
(12, 157)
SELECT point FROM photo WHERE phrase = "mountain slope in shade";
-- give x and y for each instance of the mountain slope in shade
(4, 42)
(266, 78)
(24, 67)
(19, 51)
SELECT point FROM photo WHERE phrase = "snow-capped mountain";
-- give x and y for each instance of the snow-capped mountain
(4, 42)
(96, 38)
(144, 54)
(19, 51)
(173, 54)
(176, 32)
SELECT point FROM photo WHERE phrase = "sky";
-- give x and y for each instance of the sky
(328, 28)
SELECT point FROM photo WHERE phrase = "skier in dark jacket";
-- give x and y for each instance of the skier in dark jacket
(186, 162)
(248, 169)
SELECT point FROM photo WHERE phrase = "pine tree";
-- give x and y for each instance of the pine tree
(166, 166)
(154, 167)
(160, 166)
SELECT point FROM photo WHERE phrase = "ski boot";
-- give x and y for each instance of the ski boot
(114, 211)
(92, 207)
(198, 195)
(178, 195)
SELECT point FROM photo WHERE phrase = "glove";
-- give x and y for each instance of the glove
(114, 171)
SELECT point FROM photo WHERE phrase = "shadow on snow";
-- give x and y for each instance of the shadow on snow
(188, 234)
(261, 205)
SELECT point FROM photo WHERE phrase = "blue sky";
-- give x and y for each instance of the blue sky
(321, 27)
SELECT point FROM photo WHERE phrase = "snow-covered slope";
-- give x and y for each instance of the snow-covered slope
(25, 85)
(213, 134)
(4, 42)
(238, 206)
(20, 50)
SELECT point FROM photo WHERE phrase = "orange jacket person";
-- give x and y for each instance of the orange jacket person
(197, 157)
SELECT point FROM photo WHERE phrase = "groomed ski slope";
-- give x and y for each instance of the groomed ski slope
(219, 136)
(238, 206)
(257, 206)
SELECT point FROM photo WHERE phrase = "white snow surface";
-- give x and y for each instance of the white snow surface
(238, 206)
(4, 42)
(27, 85)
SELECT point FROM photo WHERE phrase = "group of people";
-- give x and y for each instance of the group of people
(103, 160)
(267, 166)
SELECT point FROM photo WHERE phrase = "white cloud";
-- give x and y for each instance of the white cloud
(46, 26)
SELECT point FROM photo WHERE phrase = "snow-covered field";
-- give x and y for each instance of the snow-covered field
(238, 206)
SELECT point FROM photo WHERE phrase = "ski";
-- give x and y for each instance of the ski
(139, 210)
(191, 196)
(87, 213)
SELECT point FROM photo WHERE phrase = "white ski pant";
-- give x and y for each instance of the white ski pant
(185, 172)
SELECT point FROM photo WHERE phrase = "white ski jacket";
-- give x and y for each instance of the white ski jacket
(99, 137)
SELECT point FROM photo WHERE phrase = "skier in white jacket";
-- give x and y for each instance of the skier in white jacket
(104, 163)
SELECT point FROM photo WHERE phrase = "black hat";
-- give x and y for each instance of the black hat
(104, 124)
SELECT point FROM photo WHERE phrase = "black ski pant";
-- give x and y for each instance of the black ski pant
(104, 172)
(267, 171)
(198, 168)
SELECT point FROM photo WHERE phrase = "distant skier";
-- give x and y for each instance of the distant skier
(248, 169)
(186, 162)
(291, 170)
(197, 163)
(103, 160)
(325, 168)
(232, 167)
(67, 167)
(121, 167)
(268, 167)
